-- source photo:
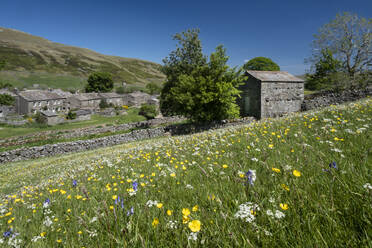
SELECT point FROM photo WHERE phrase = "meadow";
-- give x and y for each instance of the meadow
(299, 181)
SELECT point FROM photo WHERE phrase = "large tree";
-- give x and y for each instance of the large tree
(261, 64)
(187, 56)
(99, 82)
(349, 38)
(197, 89)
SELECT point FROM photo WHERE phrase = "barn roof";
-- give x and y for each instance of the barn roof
(87, 96)
(110, 95)
(40, 95)
(274, 76)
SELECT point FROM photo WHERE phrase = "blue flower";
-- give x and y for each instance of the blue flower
(333, 165)
(135, 186)
(74, 183)
(7, 233)
(251, 177)
(130, 212)
(117, 200)
(47, 201)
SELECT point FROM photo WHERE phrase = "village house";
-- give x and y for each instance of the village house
(114, 98)
(270, 94)
(32, 101)
(51, 118)
(83, 114)
(137, 98)
(84, 101)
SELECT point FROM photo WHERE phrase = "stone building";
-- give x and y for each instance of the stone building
(51, 118)
(270, 94)
(114, 98)
(137, 98)
(84, 101)
(32, 101)
(83, 115)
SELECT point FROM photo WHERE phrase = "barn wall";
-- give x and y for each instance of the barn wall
(249, 100)
(280, 98)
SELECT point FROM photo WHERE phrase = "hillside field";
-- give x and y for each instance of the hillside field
(299, 181)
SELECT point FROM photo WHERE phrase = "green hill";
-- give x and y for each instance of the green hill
(35, 60)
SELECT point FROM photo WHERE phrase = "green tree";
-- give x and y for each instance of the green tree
(182, 61)
(325, 72)
(99, 82)
(208, 90)
(153, 88)
(149, 111)
(261, 64)
(6, 99)
(349, 38)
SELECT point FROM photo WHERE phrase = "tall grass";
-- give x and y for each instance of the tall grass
(299, 181)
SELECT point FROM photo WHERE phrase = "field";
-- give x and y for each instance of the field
(299, 181)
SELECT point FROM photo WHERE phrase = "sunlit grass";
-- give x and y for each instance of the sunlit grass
(269, 184)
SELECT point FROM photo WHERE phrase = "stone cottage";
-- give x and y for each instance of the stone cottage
(32, 101)
(114, 98)
(51, 118)
(270, 94)
(84, 101)
(137, 98)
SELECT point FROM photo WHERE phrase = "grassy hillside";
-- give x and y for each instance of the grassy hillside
(31, 59)
(300, 181)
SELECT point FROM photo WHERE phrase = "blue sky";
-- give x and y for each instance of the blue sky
(282, 30)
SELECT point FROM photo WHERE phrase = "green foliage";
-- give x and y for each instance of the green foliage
(195, 88)
(6, 99)
(325, 70)
(2, 64)
(71, 115)
(261, 64)
(99, 82)
(149, 111)
(153, 88)
(186, 58)
(103, 104)
(349, 38)
(5, 85)
(38, 118)
(120, 90)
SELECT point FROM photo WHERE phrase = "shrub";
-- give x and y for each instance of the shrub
(148, 111)
(99, 82)
(71, 115)
(6, 99)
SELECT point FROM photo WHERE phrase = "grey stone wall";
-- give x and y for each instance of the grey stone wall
(84, 145)
(279, 98)
(327, 98)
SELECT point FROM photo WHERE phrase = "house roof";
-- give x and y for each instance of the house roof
(83, 112)
(87, 96)
(274, 76)
(138, 94)
(111, 95)
(48, 113)
(39, 95)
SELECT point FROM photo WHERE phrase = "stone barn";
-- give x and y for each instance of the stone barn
(270, 94)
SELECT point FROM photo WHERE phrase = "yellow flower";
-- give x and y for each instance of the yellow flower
(241, 175)
(285, 187)
(271, 146)
(155, 222)
(185, 219)
(185, 211)
(169, 212)
(80, 232)
(195, 225)
(62, 192)
(276, 170)
(225, 166)
(195, 208)
(59, 240)
(43, 234)
(296, 173)
(159, 205)
(283, 206)
(173, 174)
(68, 210)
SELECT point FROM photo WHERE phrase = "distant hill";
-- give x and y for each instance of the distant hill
(35, 60)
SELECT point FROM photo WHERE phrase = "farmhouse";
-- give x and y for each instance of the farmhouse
(114, 98)
(270, 94)
(51, 118)
(137, 98)
(32, 101)
(84, 101)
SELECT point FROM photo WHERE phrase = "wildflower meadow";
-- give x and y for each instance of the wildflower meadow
(303, 180)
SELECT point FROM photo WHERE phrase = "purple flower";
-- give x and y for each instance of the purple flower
(7, 233)
(130, 212)
(122, 204)
(333, 165)
(135, 186)
(117, 200)
(251, 177)
(74, 183)
(47, 201)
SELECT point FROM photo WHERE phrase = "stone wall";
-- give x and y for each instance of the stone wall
(84, 145)
(327, 98)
